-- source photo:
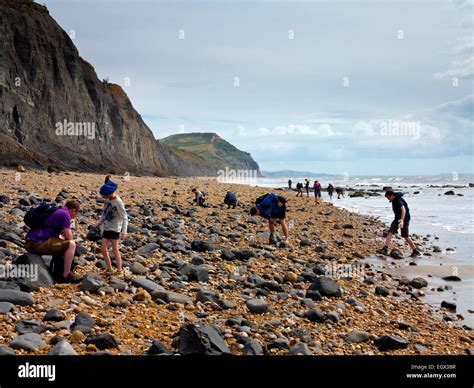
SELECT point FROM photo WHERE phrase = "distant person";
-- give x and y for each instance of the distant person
(290, 182)
(273, 208)
(339, 192)
(330, 191)
(114, 221)
(199, 197)
(317, 192)
(299, 189)
(45, 239)
(230, 199)
(306, 185)
(402, 221)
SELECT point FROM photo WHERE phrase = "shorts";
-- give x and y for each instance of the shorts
(281, 215)
(49, 247)
(110, 235)
(317, 193)
(394, 228)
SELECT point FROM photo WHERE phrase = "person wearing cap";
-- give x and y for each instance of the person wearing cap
(113, 222)
(273, 208)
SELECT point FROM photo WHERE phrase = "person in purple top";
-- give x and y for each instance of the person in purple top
(46, 240)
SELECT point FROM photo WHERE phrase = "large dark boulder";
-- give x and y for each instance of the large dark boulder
(202, 339)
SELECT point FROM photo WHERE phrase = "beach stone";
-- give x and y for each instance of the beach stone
(138, 269)
(449, 305)
(390, 342)
(207, 296)
(205, 340)
(418, 283)
(452, 278)
(315, 315)
(6, 307)
(91, 283)
(142, 295)
(17, 212)
(157, 347)
(326, 287)
(300, 349)
(354, 302)
(77, 337)
(9, 285)
(305, 243)
(44, 276)
(6, 351)
(290, 277)
(117, 285)
(332, 316)
(244, 254)
(16, 297)
(146, 284)
(62, 348)
(314, 295)
(147, 250)
(382, 291)
(420, 348)
(173, 297)
(253, 348)
(449, 192)
(195, 273)
(257, 306)
(28, 341)
(83, 319)
(396, 254)
(227, 304)
(101, 341)
(227, 254)
(29, 325)
(54, 315)
(93, 234)
(201, 246)
(357, 336)
(279, 343)
(80, 250)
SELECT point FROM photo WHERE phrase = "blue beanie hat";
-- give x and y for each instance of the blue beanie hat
(108, 188)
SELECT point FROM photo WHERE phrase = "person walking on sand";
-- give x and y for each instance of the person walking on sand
(299, 189)
(290, 182)
(317, 192)
(273, 208)
(45, 238)
(330, 190)
(114, 222)
(402, 221)
(306, 185)
(199, 197)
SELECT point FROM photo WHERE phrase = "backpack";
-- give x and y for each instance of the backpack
(261, 198)
(36, 217)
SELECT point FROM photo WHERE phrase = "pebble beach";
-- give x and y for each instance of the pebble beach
(207, 276)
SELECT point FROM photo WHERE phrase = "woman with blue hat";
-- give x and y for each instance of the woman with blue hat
(113, 222)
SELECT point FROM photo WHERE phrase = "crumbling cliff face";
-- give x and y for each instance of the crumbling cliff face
(55, 112)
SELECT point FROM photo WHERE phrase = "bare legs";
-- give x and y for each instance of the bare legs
(407, 239)
(69, 257)
(271, 225)
(115, 250)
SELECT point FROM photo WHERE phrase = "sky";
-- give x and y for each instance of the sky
(342, 87)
